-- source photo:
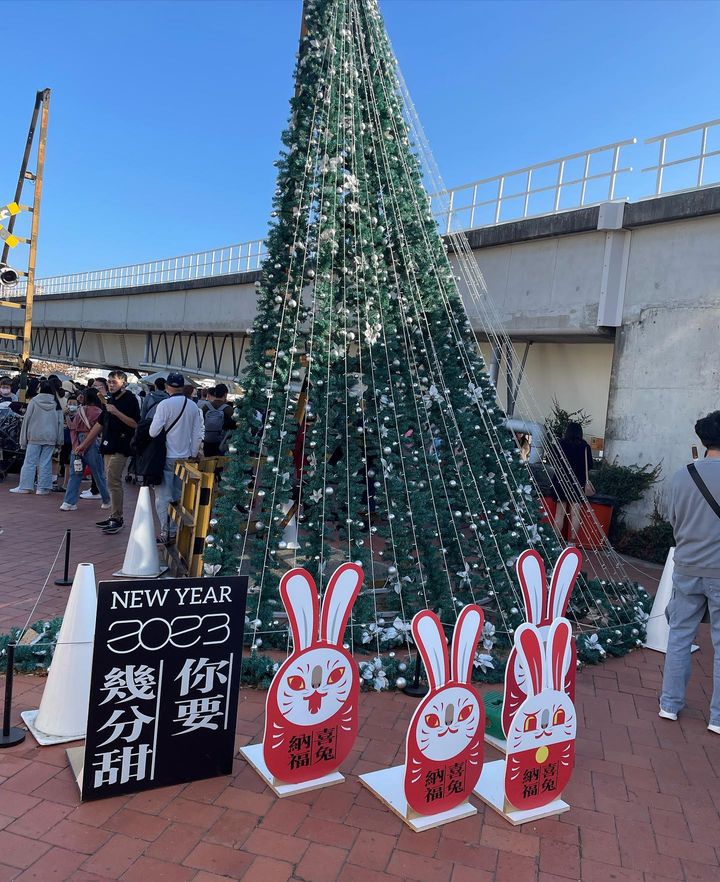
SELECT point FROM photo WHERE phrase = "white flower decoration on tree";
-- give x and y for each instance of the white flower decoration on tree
(483, 661)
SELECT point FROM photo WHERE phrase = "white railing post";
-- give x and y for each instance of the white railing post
(558, 191)
(615, 161)
(586, 172)
(498, 204)
(528, 190)
(448, 227)
(703, 151)
(661, 167)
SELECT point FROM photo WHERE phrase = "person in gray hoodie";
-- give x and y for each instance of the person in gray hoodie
(694, 512)
(41, 433)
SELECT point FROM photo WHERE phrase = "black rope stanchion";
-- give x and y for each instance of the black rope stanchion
(10, 734)
(65, 579)
(416, 689)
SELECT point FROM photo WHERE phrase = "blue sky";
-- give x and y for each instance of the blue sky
(166, 116)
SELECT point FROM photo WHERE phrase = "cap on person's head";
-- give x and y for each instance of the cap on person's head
(175, 380)
(68, 386)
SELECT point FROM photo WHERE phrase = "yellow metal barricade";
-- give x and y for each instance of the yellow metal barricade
(191, 514)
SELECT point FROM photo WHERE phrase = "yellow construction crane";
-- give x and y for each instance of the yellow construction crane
(11, 275)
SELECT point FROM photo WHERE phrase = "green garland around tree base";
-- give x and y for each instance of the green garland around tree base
(32, 658)
(383, 671)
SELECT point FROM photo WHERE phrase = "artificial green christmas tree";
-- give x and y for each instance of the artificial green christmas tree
(368, 416)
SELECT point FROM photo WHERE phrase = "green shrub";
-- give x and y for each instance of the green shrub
(651, 543)
(557, 422)
(627, 483)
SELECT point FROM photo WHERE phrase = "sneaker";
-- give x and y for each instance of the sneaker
(19, 490)
(86, 494)
(57, 489)
(105, 523)
(113, 527)
(712, 727)
(106, 505)
(68, 506)
(41, 492)
(667, 715)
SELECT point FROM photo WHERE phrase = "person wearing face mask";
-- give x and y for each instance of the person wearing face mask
(84, 417)
(6, 392)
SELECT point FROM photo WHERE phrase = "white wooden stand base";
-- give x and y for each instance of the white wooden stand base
(42, 738)
(387, 785)
(253, 753)
(498, 743)
(76, 757)
(491, 789)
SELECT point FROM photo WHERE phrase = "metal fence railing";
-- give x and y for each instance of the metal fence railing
(686, 159)
(703, 142)
(240, 258)
(557, 185)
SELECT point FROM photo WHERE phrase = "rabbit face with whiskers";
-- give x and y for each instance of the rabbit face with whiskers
(448, 723)
(314, 686)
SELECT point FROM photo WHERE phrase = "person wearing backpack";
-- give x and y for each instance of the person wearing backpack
(694, 512)
(219, 420)
(179, 421)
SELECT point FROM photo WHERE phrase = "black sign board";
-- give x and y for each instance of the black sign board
(164, 685)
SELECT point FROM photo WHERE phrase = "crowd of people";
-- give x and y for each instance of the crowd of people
(107, 430)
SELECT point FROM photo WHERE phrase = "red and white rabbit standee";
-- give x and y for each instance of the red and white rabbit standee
(529, 782)
(444, 744)
(543, 604)
(311, 711)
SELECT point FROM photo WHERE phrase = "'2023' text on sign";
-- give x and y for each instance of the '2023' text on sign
(164, 684)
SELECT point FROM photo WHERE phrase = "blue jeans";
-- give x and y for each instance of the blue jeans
(37, 457)
(93, 459)
(165, 493)
(690, 596)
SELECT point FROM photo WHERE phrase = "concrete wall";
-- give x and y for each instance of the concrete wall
(577, 374)
(666, 368)
(543, 287)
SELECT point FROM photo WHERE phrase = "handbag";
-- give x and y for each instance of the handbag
(151, 453)
(589, 488)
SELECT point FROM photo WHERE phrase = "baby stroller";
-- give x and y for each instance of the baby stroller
(11, 456)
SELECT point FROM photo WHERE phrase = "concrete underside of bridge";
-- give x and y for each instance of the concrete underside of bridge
(616, 309)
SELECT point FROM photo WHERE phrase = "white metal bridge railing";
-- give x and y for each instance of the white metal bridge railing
(687, 159)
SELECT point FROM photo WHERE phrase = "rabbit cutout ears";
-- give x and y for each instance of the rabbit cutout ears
(543, 605)
(546, 665)
(430, 640)
(300, 599)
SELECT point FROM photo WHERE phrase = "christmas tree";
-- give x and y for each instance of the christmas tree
(368, 419)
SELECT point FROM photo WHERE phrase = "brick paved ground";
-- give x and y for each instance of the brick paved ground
(645, 795)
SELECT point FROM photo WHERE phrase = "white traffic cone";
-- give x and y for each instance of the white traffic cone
(141, 556)
(658, 629)
(64, 706)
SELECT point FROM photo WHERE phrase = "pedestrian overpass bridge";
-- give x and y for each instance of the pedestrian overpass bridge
(615, 306)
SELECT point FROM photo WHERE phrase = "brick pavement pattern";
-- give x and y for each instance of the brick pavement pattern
(645, 797)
